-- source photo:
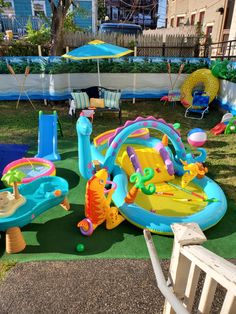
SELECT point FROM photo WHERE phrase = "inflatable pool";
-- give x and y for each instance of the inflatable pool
(33, 168)
(202, 201)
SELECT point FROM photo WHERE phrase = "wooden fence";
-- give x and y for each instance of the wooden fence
(78, 39)
(180, 30)
(143, 45)
(189, 262)
(152, 44)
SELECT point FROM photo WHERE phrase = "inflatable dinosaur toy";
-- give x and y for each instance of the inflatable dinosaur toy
(97, 205)
(192, 170)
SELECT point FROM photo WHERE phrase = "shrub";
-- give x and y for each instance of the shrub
(37, 37)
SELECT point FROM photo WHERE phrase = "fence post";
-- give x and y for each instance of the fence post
(163, 49)
(197, 48)
(184, 234)
(134, 75)
(39, 50)
(229, 51)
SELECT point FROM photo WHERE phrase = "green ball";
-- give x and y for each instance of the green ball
(176, 125)
(79, 247)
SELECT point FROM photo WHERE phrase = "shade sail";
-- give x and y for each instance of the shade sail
(97, 49)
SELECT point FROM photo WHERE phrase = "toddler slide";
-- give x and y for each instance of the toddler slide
(218, 129)
(47, 137)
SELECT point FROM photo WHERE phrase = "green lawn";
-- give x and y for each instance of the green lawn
(54, 235)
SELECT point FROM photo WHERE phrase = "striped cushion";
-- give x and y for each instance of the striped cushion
(81, 100)
(112, 99)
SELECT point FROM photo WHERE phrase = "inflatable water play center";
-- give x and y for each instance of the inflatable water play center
(152, 181)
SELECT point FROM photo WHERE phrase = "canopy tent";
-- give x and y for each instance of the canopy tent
(97, 49)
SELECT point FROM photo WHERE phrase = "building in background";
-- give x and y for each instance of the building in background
(232, 34)
(213, 17)
(16, 15)
(229, 24)
(142, 12)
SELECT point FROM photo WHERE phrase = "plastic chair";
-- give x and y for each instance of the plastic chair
(199, 106)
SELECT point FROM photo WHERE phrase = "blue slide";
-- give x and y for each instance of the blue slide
(47, 136)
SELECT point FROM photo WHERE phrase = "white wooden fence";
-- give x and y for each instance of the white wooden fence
(189, 259)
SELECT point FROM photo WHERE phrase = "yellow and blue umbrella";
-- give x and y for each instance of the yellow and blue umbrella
(97, 49)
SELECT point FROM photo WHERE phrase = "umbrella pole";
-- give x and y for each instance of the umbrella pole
(99, 78)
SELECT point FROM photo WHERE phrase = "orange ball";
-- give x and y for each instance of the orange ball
(57, 193)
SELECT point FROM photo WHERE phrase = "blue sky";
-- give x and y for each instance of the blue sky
(162, 13)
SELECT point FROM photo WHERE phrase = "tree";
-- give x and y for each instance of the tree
(37, 37)
(101, 10)
(3, 5)
(59, 12)
(44, 35)
(13, 177)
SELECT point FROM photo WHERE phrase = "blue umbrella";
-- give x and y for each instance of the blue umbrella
(97, 49)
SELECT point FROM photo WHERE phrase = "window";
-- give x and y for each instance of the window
(38, 7)
(121, 13)
(9, 10)
(225, 37)
(114, 14)
(180, 21)
(229, 14)
(193, 16)
(201, 17)
(172, 20)
(209, 31)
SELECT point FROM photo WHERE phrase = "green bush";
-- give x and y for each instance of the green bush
(37, 37)
(19, 48)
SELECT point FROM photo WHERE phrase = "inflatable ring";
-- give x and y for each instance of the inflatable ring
(113, 186)
(89, 231)
(204, 76)
(33, 168)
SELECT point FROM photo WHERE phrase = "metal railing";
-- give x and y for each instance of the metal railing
(223, 49)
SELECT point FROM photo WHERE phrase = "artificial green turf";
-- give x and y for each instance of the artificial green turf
(54, 235)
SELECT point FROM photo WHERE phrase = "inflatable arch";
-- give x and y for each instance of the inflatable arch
(204, 76)
(123, 132)
(88, 152)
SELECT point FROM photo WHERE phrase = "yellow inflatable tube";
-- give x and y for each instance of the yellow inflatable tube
(204, 76)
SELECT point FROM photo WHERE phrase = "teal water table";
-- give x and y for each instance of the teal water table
(38, 196)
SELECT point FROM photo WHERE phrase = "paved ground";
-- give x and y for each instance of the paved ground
(92, 286)
(88, 287)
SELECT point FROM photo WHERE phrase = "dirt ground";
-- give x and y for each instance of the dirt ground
(88, 286)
